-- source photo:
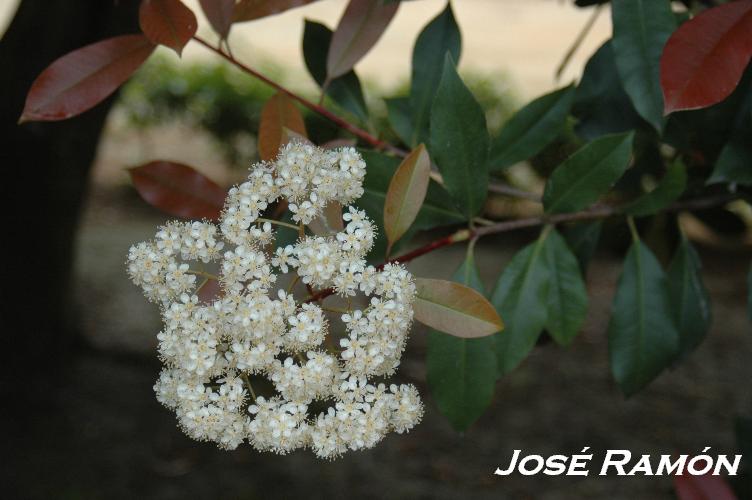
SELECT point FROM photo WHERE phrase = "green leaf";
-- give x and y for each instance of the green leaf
(521, 296)
(600, 104)
(583, 239)
(583, 177)
(345, 90)
(641, 29)
(733, 164)
(398, 111)
(642, 337)
(689, 297)
(459, 141)
(567, 302)
(462, 372)
(668, 190)
(455, 309)
(440, 36)
(735, 160)
(531, 129)
(407, 190)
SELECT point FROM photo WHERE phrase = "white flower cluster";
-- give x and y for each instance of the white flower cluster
(318, 377)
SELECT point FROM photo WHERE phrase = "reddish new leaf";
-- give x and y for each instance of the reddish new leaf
(81, 79)
(280, 121)
(705, 487)
(361, 26)
(219, 13)
(209, 291)
(167, 22)
(339, 143)
(178, 190)
(406, 193)
(328, 222)
(703, 61)
(455, 309)
(248, 10)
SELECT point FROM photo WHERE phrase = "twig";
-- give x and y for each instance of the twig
(601, 212)
(501, 188)
(578, 41)
(596, 212)
(344, 124)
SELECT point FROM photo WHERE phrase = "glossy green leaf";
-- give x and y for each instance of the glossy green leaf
(642, 336)
(439, 37)
(666, 192)
(531, 129)
(689, 297)
(406, 193)
(462, 372)
(345, 90)
(641, 29)
(521, 296)
(734, 164)
(459, 141)
(361, 26)
(601, 105)
(582, 239)
(455, 309)
(567, 302)
(400, 119)
(586, 175)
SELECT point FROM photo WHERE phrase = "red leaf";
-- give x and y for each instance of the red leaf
(209, 291)
(703, 61)
(167, 22)
(79, 80)
(361, 26)
(178, 190)
(279, 118)
(706, 487)
(248, 10)
(219, 14)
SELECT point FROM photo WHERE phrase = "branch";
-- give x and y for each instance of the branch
(596, 212)
(340, 122)
(501, 188)
(377, 143)
(601, 212)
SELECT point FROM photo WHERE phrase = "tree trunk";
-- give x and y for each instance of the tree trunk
(45, 169)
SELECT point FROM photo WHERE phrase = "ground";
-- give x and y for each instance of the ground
(107, 437)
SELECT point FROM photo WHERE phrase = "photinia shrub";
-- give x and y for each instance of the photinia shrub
(658, 126)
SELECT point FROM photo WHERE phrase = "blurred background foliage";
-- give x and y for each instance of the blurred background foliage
(227, 103)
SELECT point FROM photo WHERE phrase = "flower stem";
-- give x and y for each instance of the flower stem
(278, 223)
(206, 275)
(248, 385)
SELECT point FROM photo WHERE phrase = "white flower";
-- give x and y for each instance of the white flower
(215, 352)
